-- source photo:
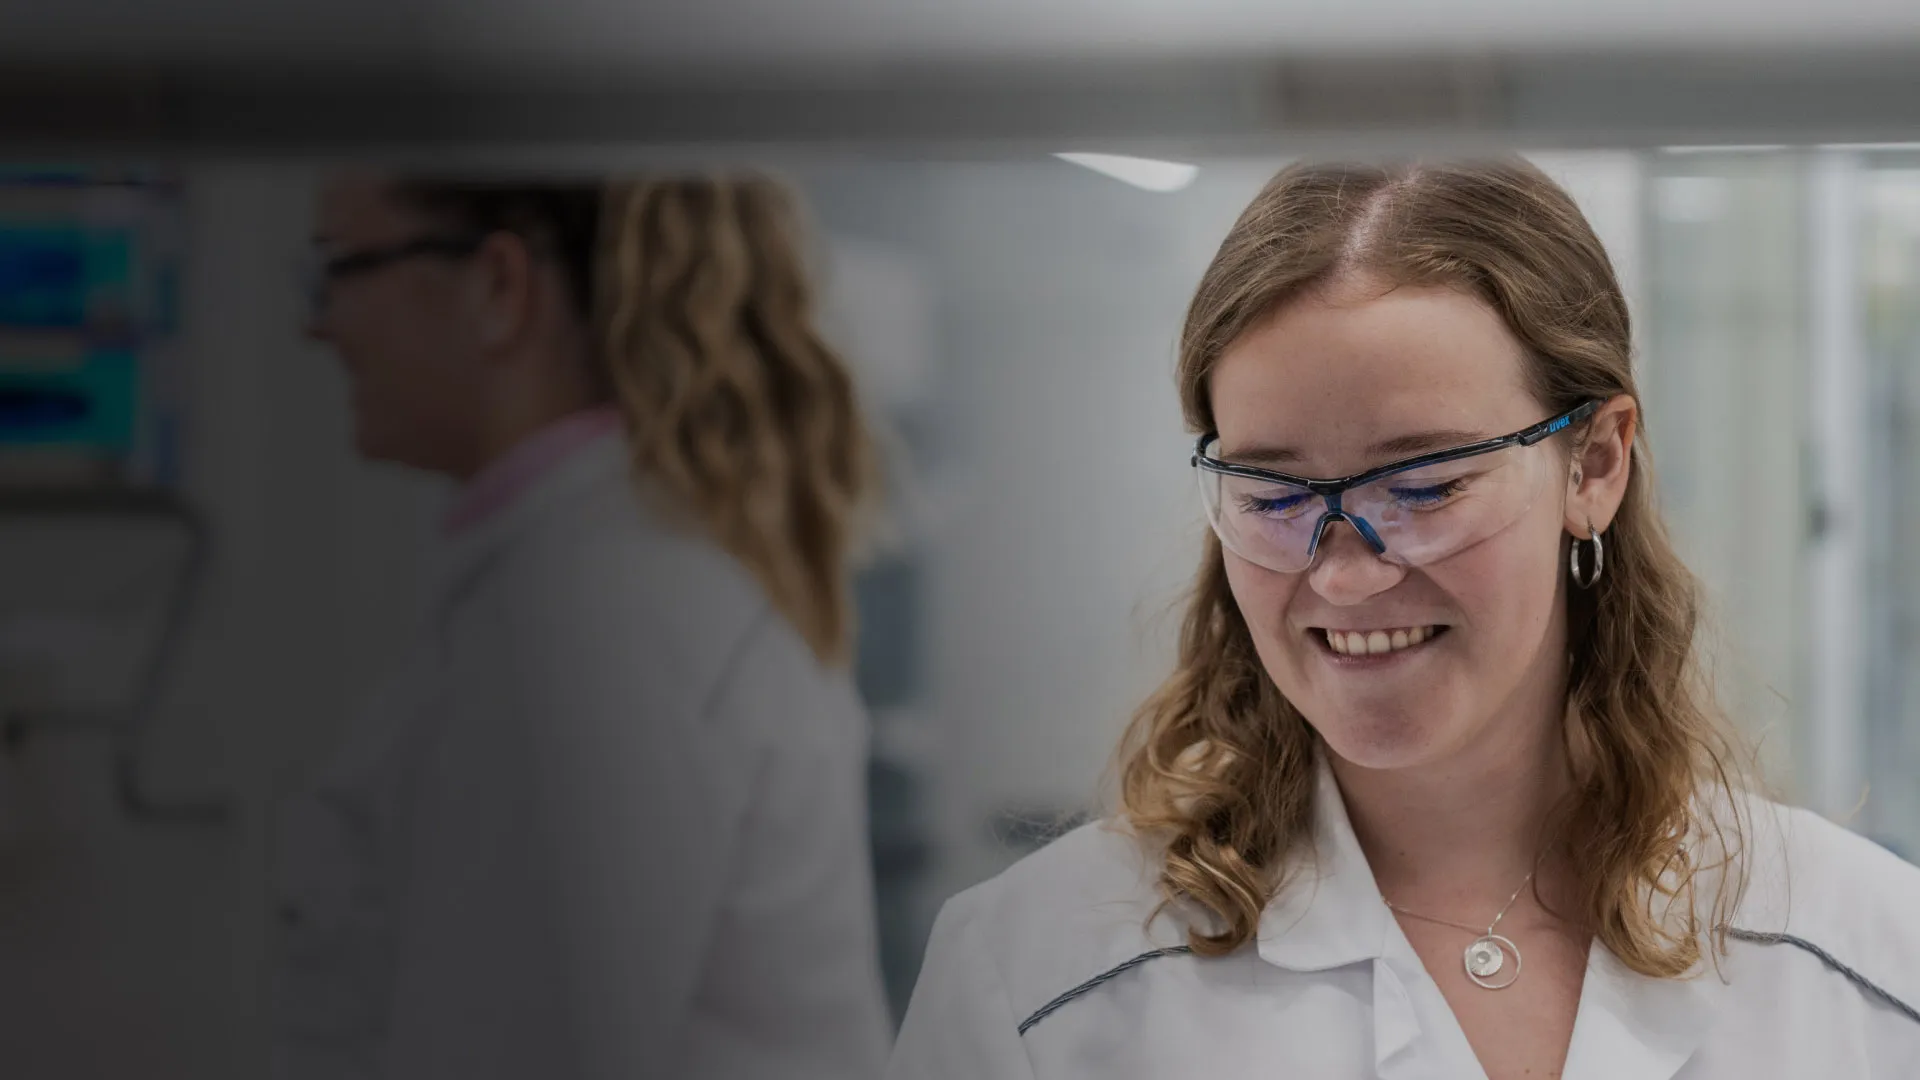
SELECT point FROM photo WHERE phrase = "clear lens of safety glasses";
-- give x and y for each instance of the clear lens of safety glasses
(1412, 518)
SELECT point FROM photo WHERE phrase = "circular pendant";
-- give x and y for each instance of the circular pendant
(1486, 958)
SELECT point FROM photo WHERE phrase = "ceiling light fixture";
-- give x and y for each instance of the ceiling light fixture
(1147, 174)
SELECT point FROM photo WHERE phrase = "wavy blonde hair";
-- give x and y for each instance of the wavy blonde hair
(1219, 767)
(741, 416)
(739, 411)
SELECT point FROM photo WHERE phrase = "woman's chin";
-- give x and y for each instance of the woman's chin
(1384, 740)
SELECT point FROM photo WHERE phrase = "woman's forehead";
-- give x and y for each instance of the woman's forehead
(356, 201)
(1353, 372)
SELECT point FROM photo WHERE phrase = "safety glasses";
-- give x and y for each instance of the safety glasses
(319, 274)
(1411, 512)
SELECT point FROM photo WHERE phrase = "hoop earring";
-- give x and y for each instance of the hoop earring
(1599, 560)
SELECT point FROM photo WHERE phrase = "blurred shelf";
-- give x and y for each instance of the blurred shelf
(119, 536)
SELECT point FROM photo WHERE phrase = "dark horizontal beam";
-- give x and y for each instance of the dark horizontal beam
(1286, 105)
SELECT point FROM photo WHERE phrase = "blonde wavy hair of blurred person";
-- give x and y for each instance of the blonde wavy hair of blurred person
(1218, 766)
(739, 411)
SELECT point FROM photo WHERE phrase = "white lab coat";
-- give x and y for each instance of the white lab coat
(1334, 990)
(610, 822)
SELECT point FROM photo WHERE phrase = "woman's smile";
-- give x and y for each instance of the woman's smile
(1354, 648)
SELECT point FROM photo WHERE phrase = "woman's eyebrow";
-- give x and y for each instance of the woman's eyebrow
(1423, 441)
(1261, 456)
(1399, 446)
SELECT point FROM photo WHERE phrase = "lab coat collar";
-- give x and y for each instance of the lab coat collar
(587, 469)
(1631, 1025)
(1329, 912)
(504, 480)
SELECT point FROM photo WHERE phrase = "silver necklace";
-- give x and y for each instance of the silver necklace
(1488, 954)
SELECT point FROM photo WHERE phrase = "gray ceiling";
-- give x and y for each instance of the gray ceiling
(583, 77)
(640, 35)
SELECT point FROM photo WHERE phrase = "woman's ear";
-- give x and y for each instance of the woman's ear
(502, 287)
(1597, 480)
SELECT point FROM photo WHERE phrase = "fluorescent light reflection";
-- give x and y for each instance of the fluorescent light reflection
(1147, 174)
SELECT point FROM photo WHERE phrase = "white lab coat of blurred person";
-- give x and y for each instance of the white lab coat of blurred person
(609, 820)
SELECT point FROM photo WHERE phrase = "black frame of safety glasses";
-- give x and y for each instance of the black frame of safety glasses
(360, 262)
(321, 273)
(1329, 488)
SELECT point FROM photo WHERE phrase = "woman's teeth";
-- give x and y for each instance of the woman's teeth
(1374, 642)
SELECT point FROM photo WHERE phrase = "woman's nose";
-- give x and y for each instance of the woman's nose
(1346, 569)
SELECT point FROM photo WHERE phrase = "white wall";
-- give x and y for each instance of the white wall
(129, 949)
(1726, 402)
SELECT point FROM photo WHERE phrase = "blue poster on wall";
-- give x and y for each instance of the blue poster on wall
(43, 277)
(87, 264)
(89, 403)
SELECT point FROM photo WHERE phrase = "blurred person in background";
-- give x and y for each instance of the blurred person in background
(610, 819)
(1437, 787)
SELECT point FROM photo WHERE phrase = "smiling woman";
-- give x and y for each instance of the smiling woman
(1436, 727)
